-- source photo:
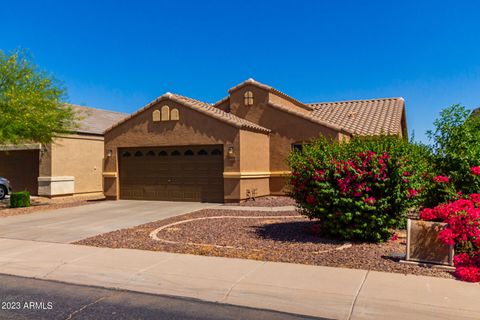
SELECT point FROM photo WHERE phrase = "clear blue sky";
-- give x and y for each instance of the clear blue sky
(120, 55)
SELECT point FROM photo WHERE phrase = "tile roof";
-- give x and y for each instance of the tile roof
(363, 117)
(202, 107)
(95, 121)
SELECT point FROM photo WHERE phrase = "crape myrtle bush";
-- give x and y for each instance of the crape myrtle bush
(361, 189)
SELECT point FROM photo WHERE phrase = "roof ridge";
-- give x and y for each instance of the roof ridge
(354, 100)
(271, 89)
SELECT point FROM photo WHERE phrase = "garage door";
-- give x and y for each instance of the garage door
(193, 173)
(21, 168)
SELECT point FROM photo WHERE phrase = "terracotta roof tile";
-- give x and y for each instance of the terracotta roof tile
(95, 121)
(363, 117)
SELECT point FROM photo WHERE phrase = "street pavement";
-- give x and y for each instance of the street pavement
(23, 298)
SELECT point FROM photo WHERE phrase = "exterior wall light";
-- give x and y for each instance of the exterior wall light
(109, 153)
(231, 152)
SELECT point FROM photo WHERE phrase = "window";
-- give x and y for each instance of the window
(216, 152)
(126, 154)
(176, 153)
(156, 115)
(248, 98)
(299, 146)
(202, 152)
(165, 113)
(138, 154)
(174, 115)
(189, 153)
(150, 153)
(163, 153)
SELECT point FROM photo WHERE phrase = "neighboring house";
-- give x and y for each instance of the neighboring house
(71, 165)
(181, 149)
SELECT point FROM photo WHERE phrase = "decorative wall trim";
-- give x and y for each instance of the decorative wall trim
(246, 175)
(254, 175)
(280, 173)
(110, 174)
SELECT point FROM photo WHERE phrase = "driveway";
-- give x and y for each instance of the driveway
(72, 224)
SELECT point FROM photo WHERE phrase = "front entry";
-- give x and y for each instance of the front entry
(187, 173)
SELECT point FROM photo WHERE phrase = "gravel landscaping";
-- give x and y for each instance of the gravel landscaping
(269, 201)
(38, 204)
(268, 236)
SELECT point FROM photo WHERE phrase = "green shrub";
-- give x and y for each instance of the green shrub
(360, 189)
(20, 199)
(456, 148)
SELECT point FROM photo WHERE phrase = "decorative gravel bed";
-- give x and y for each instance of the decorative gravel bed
(269, 201)
(287, 239)
(38, 204)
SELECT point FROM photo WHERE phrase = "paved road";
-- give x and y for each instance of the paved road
(71, 224)
(66, 301)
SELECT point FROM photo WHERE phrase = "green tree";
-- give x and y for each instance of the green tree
(31, 107)
(456, 146)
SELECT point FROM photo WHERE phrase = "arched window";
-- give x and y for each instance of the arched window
(202, 152)
(150, 153)
(216, 152)
(189, 153)
(156, 115)
(248, 98)
(163, 153)
(176, 153)
(174, 115)
(165, 113)
(138, 154)
(126, 154)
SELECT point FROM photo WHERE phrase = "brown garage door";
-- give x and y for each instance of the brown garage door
(21, 168)
(193, 173)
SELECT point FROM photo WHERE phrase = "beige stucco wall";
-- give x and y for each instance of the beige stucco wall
(193, 128)
(80, 156)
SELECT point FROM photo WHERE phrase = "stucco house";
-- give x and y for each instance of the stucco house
(71, 165)
(181, 149)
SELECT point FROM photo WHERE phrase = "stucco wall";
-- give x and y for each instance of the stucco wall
(287, 128)
(80, 156)
(193, 128)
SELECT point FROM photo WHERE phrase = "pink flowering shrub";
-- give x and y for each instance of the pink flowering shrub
(358, 190)
(462, 231)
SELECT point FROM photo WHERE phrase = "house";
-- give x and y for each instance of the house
(181, 149)
(71, 165)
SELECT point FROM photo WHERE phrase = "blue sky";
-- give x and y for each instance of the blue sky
(120, 55)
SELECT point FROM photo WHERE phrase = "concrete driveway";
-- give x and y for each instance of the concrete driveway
(72, 224)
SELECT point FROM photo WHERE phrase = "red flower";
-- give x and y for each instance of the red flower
(470, 274)
(476, 170)
(394, 237)
(370, 201)
(441, 179)
(412, 193)
(427, 214)
(447, 236)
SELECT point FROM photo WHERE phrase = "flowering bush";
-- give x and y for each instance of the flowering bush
(361, 189)
(462, 230)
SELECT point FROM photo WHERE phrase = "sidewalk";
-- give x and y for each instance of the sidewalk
(310, 290)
